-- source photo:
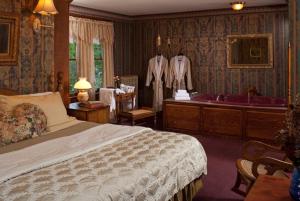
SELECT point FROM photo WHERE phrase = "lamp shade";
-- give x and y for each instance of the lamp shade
(45, 7)
(82, 84)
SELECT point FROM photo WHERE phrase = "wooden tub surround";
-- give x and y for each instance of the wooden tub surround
(195, 117)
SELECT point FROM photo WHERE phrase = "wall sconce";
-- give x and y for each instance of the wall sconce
(239, 5)
(44, 7)
(158, 41)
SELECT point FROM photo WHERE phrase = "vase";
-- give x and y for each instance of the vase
(295, 184)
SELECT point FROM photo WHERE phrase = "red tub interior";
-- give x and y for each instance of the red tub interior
(261, 101)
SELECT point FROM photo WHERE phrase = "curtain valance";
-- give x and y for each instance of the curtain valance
(87, 30)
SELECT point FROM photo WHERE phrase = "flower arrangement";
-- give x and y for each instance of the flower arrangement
(117, 81)
(289, 137)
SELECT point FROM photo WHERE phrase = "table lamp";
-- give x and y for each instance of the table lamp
(82, 85)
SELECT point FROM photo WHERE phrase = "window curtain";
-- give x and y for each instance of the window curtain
(85, 31)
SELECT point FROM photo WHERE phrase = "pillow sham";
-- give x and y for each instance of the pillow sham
(23, 122)
(51, 104)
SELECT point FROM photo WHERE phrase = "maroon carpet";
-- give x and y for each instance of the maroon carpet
(221, 154)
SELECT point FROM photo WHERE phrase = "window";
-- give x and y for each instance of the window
(98, 60)
(72, 67)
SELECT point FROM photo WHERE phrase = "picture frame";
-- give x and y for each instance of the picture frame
(250, 51)
(9, 38)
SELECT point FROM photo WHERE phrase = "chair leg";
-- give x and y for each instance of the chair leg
(237, 185)
(132, 122)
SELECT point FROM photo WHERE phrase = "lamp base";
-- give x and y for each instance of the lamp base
(83, 96)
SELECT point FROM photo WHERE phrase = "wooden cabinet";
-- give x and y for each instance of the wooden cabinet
(262, 124)
(98, 115)
(223, 121)
(196, 117)
(182, 118)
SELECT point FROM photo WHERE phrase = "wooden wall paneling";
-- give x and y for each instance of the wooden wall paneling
(224, 121)
(191, 121)
(202, 35)
(203, 38)
(264, 124)
(195, 117)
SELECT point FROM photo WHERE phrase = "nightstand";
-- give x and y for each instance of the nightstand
(98, 115)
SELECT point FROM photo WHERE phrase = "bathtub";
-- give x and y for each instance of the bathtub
(257, 117)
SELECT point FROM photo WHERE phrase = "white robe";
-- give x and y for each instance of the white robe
(158, 66)
(180, 66)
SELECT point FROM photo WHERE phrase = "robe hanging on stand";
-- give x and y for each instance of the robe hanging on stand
(180, 67)
(158, 66)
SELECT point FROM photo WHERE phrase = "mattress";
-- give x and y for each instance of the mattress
(101, 162)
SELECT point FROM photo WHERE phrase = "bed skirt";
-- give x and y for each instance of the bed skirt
(189, 191)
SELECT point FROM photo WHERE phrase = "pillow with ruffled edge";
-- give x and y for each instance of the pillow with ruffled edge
(25, 121)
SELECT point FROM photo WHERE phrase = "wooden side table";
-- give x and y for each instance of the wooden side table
(98, 115)
(270, 188)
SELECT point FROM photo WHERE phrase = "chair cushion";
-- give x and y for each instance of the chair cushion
(246, 169)
(140, 112)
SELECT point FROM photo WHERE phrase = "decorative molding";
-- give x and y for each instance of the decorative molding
(78, 11)
(249, 10)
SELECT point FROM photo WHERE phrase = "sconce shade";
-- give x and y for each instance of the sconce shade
(238, 5)
(45, 7)
(82, 84)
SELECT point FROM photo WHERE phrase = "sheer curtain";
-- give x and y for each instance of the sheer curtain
(85, 31)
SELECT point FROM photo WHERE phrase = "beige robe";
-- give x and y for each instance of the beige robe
(180, 67)
(158, 66)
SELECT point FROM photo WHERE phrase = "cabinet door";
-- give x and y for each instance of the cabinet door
(223, 121)
(182, 117)
(99, 116)
(264, 125)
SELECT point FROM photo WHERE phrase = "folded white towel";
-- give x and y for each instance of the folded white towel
(182, 98)
(182, 95)
(181, 91)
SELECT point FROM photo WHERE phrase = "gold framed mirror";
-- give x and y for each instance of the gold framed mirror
(9, 38)
(250, 51)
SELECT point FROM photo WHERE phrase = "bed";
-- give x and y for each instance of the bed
(80, 160)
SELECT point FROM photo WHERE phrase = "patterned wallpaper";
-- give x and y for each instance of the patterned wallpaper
(203, 40)
(35, 69)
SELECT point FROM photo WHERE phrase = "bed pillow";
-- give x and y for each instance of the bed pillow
(51, 104)
(23, 122)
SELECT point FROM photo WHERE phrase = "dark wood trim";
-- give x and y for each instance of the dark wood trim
(194, 117)
(264, 9)
(78, 11)
(61, 47)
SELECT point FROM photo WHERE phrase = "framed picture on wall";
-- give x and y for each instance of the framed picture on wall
(9, 38)
(250, 51)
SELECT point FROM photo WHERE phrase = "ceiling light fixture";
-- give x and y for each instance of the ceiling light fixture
(239, 5)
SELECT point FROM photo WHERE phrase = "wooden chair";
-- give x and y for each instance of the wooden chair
(260, 158)
(132, 114)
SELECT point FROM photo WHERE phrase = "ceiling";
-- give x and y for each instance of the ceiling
(145, 7)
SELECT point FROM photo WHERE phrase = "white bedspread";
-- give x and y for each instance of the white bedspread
(105, 163)
(57, 150)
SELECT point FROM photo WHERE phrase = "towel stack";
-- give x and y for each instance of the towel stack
(182, 95)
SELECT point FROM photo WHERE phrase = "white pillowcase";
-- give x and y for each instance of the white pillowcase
(50, 102)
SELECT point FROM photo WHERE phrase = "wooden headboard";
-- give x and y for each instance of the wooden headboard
(59, 87)
(8, 92)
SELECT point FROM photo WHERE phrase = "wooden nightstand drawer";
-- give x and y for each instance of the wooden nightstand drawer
(98, 115)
